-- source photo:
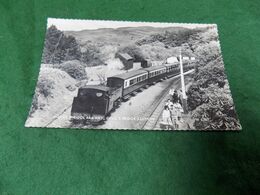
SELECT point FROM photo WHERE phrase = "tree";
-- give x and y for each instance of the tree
(217, 112)
(59, 48)
(73, 68)
(91, 55)
(209, 98)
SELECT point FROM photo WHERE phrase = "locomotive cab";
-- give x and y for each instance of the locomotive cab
(91, 103)
(94, 103)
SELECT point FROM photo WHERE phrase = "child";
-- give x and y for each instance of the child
(166, 117)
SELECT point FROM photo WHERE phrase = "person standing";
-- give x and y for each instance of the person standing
(175, 96)
(166, 118)
(171, 92)
(176, 112)
(179, 94)
(169, 103)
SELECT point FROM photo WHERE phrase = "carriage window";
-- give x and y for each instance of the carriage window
(131, 81)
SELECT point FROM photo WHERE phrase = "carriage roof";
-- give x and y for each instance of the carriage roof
(171, 64)
(155, 68)
(129, 74)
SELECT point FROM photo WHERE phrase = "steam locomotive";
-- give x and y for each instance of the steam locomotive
(95, 102)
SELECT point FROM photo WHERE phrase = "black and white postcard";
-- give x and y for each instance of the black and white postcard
(132, 75)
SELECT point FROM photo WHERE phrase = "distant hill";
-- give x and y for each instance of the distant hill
(122, 36)
(100, 46)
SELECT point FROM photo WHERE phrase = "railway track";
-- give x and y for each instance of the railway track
(145, 124)
(157, 109)
(148, 124)
(58, 116)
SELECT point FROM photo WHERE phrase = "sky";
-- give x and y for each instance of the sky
(78, 25)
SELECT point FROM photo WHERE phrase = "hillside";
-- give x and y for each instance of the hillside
(140, 42)
(54, 92)
(124, 35)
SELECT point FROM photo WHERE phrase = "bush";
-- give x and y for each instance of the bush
(196, 96)
(73, 68)
(217, 112)
(207, 52)
(209, 96)
(212, 73)
(173, 38)
(44, 87)
(91, 55)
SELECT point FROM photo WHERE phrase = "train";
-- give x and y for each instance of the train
(94, 103)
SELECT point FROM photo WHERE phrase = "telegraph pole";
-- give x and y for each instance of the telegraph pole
(183, 88)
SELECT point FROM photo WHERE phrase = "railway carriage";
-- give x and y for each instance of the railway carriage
(172, 69)
(156, 73)
(187, 66)
(129, 81)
